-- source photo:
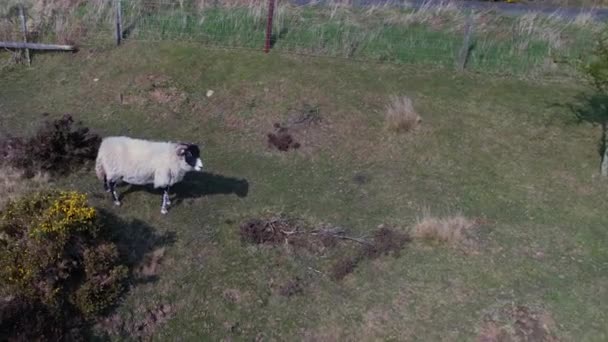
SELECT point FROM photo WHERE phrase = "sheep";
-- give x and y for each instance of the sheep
(140, 162)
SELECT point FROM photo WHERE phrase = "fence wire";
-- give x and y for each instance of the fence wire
(386, 34)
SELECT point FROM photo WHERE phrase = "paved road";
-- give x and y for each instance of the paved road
(503, 7)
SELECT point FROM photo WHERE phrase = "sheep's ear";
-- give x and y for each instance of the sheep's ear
(181, 151)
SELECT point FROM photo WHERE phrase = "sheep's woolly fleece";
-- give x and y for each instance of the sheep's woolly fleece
(140, 162)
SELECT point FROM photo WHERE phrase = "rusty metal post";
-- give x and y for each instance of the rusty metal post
(269, 26)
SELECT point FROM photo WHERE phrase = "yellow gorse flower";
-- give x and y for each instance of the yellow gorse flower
(57, 213)
(68, 211)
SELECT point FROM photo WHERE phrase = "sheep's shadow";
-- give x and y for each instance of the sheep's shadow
(136, 242)
(198, 184)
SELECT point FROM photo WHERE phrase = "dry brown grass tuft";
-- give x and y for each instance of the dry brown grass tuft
(13, 184)
(451, 229)
(586, 19)
(401, 115)
(439, 15)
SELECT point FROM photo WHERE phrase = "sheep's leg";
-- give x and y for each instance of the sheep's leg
(106, 187)
(166, 201)
(112, 186)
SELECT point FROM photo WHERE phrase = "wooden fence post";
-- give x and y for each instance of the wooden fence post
(24, 32)
(465, 49)
(118, 22)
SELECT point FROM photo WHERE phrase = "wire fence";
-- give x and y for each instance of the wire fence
(439, 35)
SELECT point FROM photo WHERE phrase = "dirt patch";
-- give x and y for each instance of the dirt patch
(344, 267)
(281, 139)
(377, 322)
(272, 231)
(361, 178)
(282, 230)
(167, 96)
(326, 241)
(298, 120)
(143, 328)
(132, 100)
(322, 238)
(385, 241)
(518, 323)
(156, 90)
(151, 81)
(151, 262)
(492, 333)
(153, 319)
(307, 115)
(232, 296)
(291, 287)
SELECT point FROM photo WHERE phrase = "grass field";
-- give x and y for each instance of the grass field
(507, 153)
(531, 44)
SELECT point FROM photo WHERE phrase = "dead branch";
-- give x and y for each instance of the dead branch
(339, 233)
(361, 241)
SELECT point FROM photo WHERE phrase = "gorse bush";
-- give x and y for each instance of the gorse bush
(58, 146)
(54, 256)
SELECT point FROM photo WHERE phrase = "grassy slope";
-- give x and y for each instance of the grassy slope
(501, 149)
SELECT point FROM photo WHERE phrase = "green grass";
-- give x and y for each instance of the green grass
(424, 37)
(505, 150)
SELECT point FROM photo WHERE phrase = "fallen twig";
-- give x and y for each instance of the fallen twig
(316, 271)
(339, 233)
(361, 241)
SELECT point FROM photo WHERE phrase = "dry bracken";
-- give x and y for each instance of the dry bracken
(401, 115)
(451, 229)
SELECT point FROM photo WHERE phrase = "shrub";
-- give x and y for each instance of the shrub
(596, 111)
(54, 257)
(400, 115)
(57, 147)
(597, 67)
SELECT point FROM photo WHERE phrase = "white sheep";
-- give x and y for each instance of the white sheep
(140, 162)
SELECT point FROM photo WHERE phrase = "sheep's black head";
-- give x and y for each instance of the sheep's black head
(192, 155)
